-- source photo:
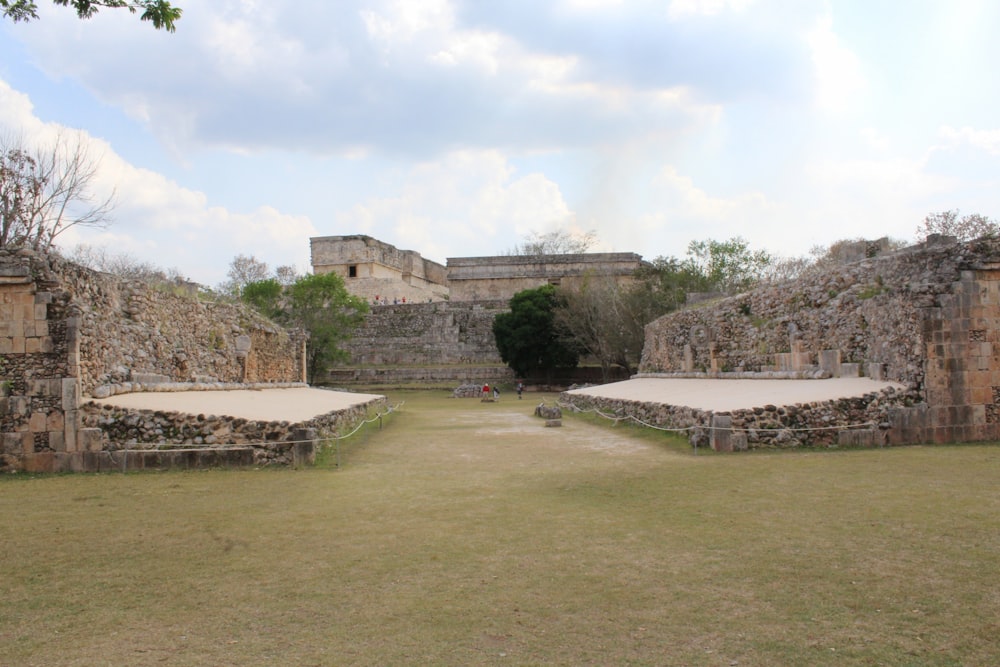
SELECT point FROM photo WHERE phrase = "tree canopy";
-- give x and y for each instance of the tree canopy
(606, 317)
(965, 227)
(243, 270)
(527, 337)
(160, 13)
(318, 304)
(559, 242)
(45, 191)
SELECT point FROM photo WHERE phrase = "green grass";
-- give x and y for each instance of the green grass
(466, 533)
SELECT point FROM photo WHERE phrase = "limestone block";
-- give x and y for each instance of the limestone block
(829, 361)
(40, 462)
(57, 441)
(719, 437)
(14, 443)
(850, 370)
(90, 440)
(54, 421)
(739, 441)
(38, 422)
(860, 438)
(243, 344)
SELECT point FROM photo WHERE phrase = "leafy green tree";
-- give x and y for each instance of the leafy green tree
(727, 266)
(527, 337)
(322, 306)
(265, 296)
(159, 12)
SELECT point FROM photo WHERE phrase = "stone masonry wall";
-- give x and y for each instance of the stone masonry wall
(421, 334)
(146, 437)
(927, 316)
(499, 278)
(66, 332)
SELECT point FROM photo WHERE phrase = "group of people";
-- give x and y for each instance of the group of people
(496, 391)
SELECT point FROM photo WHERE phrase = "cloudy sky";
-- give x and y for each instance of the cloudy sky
(457, 127)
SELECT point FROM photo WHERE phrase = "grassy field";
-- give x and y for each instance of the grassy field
(465, 533)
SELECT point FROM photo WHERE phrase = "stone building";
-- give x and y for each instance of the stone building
(478, 278)
(379, 272)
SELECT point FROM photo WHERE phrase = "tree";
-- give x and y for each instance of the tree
(243, 270)
(44, 192)
(728, 266)
(559, 242)
(121, 264)
(159, 12)
(527, 338)
(265, 296)
(596, 318)
(322, 306)
(286, 274)
(966, 228)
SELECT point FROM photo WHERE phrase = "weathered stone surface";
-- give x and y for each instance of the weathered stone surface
(66, 331)
(548, 411)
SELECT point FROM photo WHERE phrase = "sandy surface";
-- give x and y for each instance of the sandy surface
(303, 403)
(294, 404)
(723, 395)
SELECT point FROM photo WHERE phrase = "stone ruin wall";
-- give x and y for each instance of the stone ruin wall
(425, 342)
(927, 317)
(67, 332)
(381, 272)
(128, 439)
(500, 278)
(130, 331)
(423, 334)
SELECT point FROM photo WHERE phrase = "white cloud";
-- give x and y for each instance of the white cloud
(467, 203)
(984, 140)
(156, 219)
(683, 8)
(839, 75)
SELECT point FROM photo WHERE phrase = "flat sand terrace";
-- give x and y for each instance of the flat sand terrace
(718, 395)
(294, 404)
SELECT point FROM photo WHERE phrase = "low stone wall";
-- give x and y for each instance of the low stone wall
(392, 377)
(879, 416)
(147, 438)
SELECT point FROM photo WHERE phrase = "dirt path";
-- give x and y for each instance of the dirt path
(498, 436)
